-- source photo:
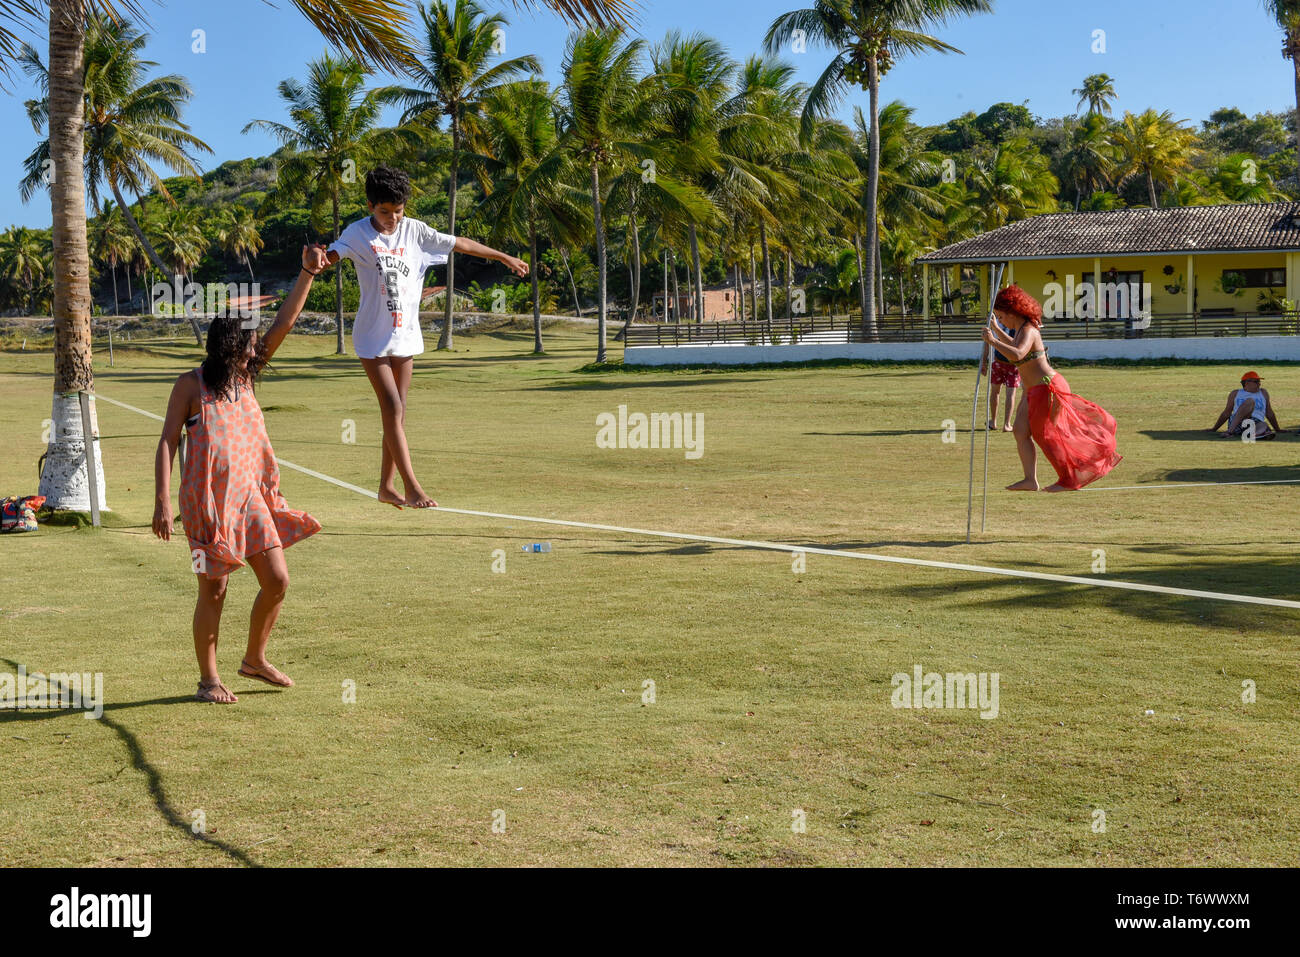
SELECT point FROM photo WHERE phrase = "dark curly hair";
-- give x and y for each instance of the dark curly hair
(387, 185)
(1014, 299)
(227, 342)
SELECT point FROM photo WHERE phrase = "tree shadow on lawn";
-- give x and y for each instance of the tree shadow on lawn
(600, 385)
(1245, 473)
(153, 780)
(1275, 577)
(1194, 435)
(887, 432)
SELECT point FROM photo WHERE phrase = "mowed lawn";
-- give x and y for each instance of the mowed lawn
(519, 699)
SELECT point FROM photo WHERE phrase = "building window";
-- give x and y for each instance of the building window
(1234, 279)
(1123, 294)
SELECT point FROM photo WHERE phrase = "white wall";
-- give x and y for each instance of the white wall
(1245, 349)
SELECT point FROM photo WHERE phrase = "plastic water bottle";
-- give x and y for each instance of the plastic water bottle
(538, 547)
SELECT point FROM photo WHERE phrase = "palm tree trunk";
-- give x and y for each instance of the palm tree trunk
(699, 275)
(740, 292)
(753, 276)
(789, 284)
(666, 284)
(577, 306)
(65, 478)
(537, 302)
(767, 271)
(1151, 191)
(1292, 40)
(177, 284)
(445, 340)
(341, 348)
(869, 330)
(880, 277)
(117, 310)
(677, 293)
(862, 279)
(636, 274)
(130, 296)
(248, 261)
(600, 257)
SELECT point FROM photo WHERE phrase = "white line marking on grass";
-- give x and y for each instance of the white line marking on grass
(811, 549)
(1126, 488)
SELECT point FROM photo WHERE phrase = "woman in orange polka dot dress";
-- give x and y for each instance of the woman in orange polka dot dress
(230, 499)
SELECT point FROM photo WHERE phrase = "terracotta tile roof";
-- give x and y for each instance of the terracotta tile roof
(1238, 227)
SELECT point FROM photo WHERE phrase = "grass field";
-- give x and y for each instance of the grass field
(522, 692)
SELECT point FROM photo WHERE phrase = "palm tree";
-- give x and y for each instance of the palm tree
(334, 133)
(238, 236)
(867, 36)
(1090, 156)
(1012, 183)
(181, 243)
(112, 243)
(1097, 91)
(601, 105)
(531, 192)
(372, 30)
(452, 78)
(130, 123)
(1287, 15)
(1154, 146)
(22, 260)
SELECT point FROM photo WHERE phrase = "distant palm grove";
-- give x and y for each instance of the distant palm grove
(648, 168)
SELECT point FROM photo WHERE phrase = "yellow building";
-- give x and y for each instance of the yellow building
(1227, 263)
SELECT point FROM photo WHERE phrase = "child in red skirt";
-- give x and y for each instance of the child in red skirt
(230, 497)
(1077, 436)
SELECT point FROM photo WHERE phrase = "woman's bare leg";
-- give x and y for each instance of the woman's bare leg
(207, 626)
(1011, 401)
(273, 577)
(1025, 447)
(392, 408)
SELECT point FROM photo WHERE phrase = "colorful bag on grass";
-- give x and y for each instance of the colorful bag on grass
(18, 513)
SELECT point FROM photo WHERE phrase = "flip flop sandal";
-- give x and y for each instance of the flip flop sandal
(205, 690)
(259, 677)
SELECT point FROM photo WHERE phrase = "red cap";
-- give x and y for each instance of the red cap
(1250, 375)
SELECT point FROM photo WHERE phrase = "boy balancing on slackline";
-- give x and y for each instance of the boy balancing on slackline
(230, 492)
(391, 252)
(1077, 436)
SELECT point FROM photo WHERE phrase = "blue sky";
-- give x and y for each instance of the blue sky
(1188, 56)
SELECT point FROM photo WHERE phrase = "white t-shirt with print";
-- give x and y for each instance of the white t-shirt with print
(390, 270)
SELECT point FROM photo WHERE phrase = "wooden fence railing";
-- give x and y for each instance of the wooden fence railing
(839, 329)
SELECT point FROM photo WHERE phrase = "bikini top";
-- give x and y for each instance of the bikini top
(1033, 354)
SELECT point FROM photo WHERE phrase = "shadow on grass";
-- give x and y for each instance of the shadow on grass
(1194, 435)
(619, 385)
(1246, 473)
(883, 432)
(153, 780)
(1274, 577)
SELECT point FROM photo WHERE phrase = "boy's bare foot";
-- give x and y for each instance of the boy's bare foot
(992, 425)
(265, 672)
(215, 692)
(1058, 487)
(1008, 427)
(1024, 485)
(390, 496)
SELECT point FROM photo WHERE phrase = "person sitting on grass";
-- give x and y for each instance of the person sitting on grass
(230, 499)
(1249, 403)
(391, 252)
(1004, 373)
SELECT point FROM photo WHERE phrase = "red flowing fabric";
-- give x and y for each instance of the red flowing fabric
(1077, 436)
